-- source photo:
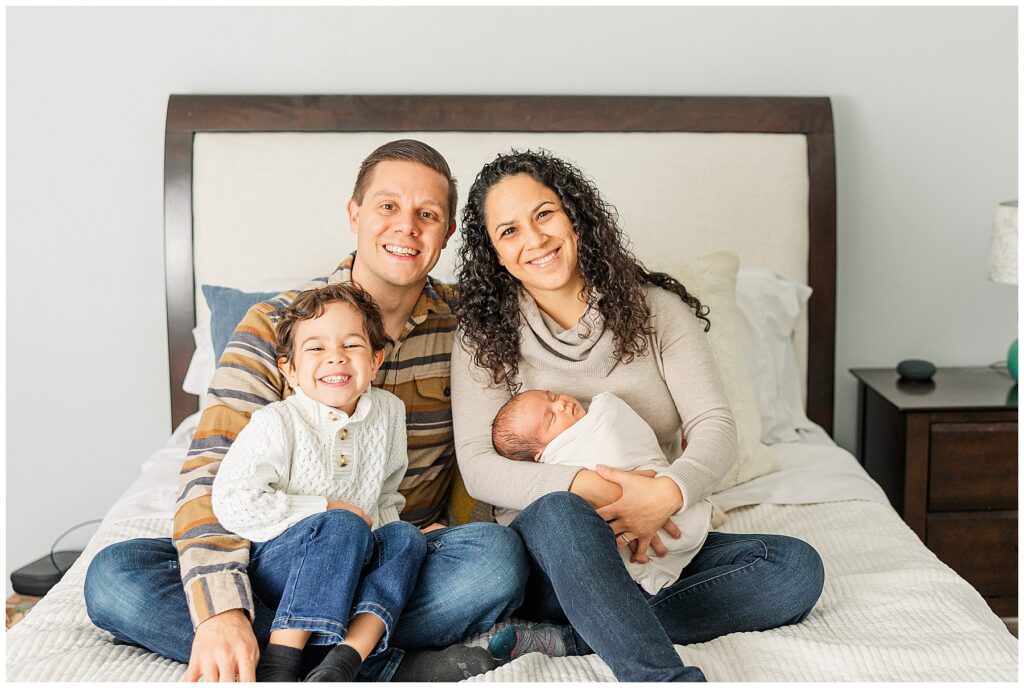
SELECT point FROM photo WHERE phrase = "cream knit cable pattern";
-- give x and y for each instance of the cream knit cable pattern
(283, 466)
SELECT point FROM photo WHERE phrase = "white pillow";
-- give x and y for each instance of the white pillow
(202, 365)
(770, 307)
(712, 279)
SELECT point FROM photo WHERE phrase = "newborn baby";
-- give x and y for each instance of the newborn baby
(554, 428)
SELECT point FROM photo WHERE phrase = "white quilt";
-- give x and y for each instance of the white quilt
(890, 611)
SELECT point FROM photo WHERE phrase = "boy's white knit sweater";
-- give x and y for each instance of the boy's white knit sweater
(297, 455)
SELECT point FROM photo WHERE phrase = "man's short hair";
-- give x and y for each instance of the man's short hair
(311, 304)
(506, 436)
(407, 150)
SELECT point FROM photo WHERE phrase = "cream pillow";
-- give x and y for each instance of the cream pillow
(712, 279)
(770, 307)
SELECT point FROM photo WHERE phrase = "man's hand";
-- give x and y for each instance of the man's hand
(433, 526)
(224, 649)
(645, 505)
(350, 507)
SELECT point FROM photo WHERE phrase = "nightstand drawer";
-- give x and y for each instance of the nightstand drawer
(972, 466)
(980, 547)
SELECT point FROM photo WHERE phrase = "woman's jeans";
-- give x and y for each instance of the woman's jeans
(472, 576)
(300, 573)
(735, 583)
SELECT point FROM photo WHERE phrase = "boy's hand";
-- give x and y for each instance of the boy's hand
(350, 507)
(224, 650)
(432, 527)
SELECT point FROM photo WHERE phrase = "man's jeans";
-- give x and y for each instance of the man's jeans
(313, 589)
(735, 583)
(472, 576)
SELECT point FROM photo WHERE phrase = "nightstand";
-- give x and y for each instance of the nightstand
(945, 452)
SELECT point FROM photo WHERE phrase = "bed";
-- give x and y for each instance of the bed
(737, 196)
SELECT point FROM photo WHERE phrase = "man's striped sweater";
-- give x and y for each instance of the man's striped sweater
(417, 369)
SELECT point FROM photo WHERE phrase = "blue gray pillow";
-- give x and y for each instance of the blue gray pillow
(227, 308)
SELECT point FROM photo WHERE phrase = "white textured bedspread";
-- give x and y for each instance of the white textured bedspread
(890, 611)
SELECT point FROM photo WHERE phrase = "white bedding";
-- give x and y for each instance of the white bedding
(890, 609)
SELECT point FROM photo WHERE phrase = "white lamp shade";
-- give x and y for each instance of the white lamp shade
(1002, 255)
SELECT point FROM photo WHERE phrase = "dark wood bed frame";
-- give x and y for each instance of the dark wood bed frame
(188, 114)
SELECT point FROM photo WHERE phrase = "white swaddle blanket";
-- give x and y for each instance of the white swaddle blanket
(614, 434)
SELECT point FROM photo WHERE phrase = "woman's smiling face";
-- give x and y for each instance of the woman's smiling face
(532, 235)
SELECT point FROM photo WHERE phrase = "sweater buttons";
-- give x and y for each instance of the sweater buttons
(343, 460)
(343, 434)
(332, 415)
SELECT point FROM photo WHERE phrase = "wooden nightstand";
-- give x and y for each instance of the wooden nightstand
(945, 453)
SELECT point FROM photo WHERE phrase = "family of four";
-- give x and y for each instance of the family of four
(567, 385)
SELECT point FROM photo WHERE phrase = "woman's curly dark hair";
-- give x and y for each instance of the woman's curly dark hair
(488, 305)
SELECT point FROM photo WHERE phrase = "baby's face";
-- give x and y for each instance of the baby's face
(546, 415)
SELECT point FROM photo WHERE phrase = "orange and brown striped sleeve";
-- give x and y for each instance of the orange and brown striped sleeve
(213, 560)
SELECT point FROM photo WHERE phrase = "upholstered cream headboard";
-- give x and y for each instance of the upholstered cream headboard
(267, 183)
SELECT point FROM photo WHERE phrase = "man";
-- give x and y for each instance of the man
(192, 601)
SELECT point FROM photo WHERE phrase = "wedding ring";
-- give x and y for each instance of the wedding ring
(624, 538)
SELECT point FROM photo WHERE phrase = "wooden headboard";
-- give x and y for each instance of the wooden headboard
(189, 115)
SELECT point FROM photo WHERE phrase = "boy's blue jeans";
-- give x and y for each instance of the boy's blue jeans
(314, 589)
(737, 582)
(472, 576)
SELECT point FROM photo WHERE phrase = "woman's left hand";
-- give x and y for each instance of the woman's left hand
(645, 506)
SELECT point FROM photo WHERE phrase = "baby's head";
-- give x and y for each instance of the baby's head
(330, 343)
(528, 422)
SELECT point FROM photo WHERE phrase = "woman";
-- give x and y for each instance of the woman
(551, 298)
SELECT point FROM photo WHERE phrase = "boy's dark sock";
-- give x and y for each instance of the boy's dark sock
(279, 663)
(340, 665)
(455, 663)
(312, 656)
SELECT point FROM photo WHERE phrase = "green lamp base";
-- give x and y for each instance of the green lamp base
(1011, 359)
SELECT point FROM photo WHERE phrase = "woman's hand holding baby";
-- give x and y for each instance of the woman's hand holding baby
(646, 504)
(596, 490)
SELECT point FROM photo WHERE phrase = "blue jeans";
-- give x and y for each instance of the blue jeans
(472, 576)
(736, 583)
(313, 589)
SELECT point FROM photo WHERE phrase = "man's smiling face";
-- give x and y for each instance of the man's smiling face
(401, 225)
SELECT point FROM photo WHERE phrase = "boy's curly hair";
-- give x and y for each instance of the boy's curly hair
(311, 304)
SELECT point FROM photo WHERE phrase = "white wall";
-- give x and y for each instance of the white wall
(925, 104)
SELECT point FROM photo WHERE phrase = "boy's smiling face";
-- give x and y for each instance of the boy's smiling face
(332, 360)
(546, 415)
